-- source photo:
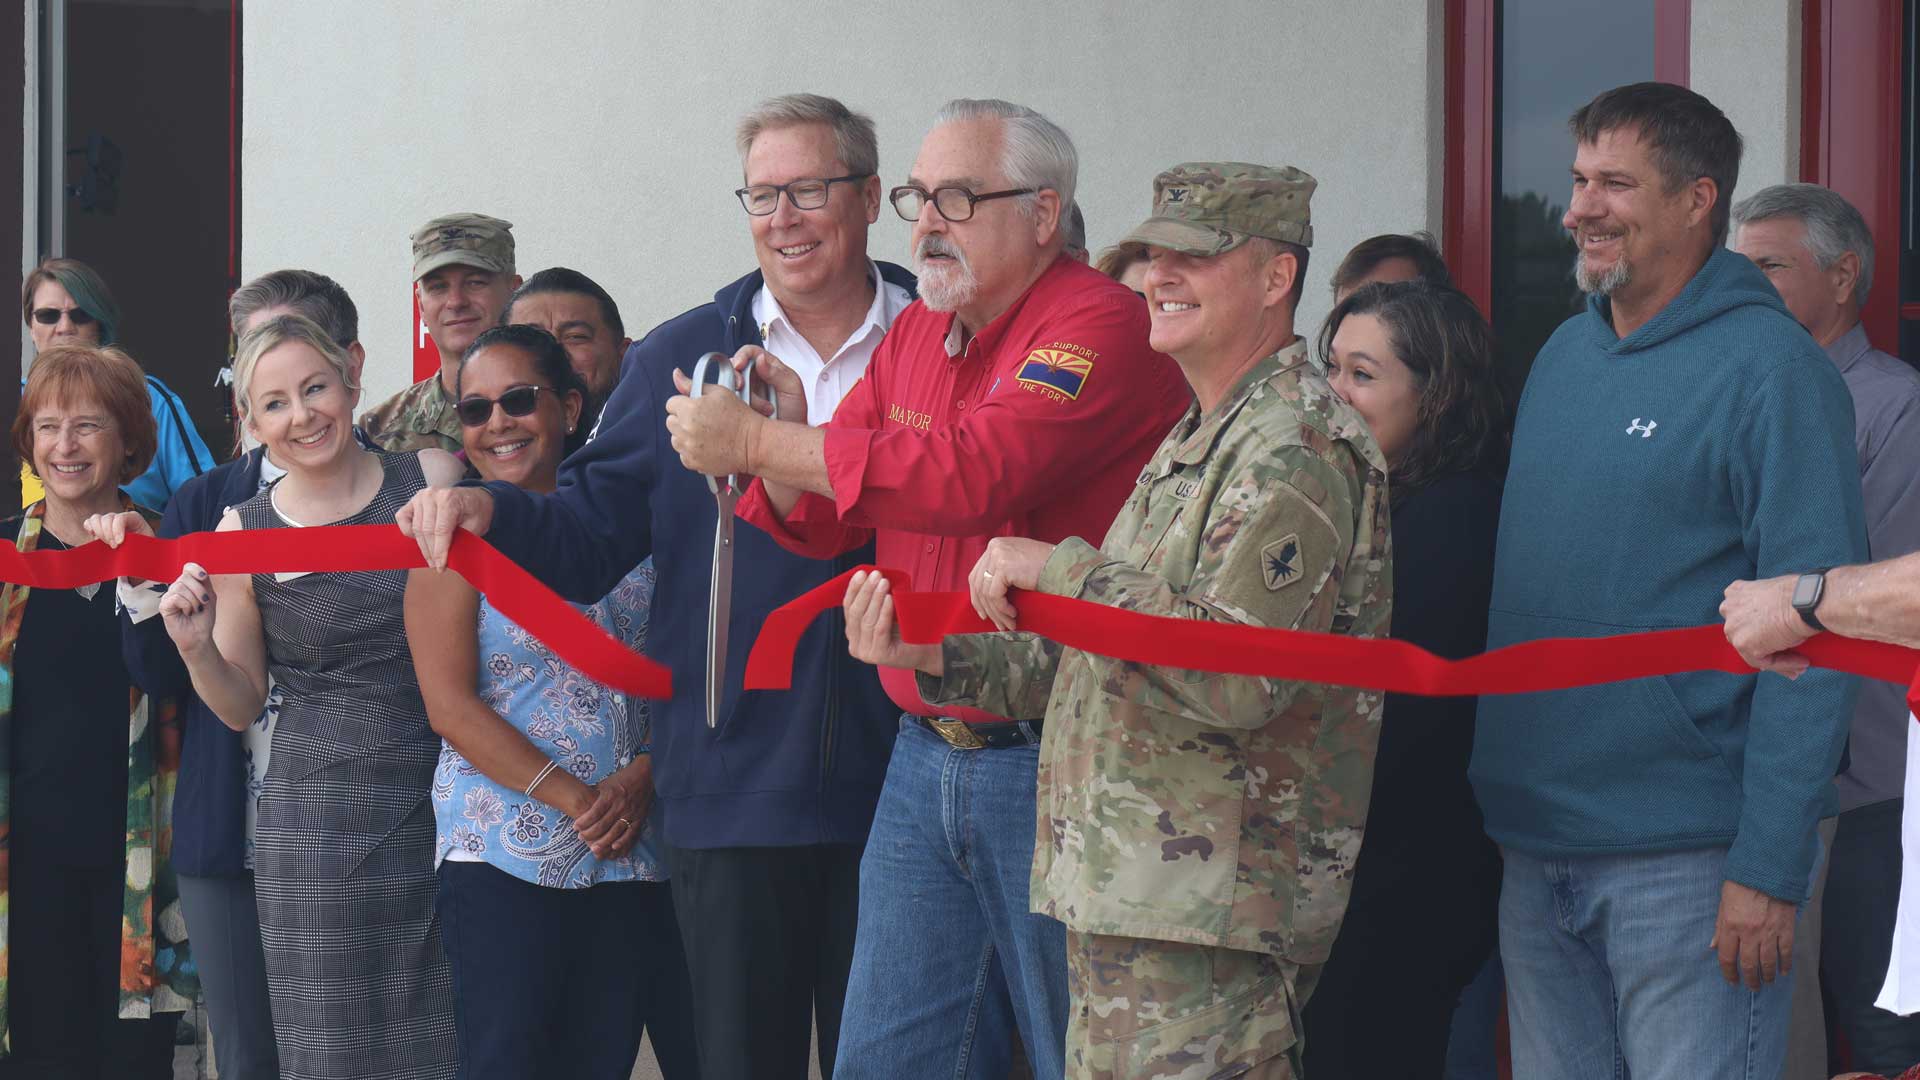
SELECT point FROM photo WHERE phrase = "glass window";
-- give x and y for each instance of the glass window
(1555, 55)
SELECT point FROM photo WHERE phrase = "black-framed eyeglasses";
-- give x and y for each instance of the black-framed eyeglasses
(475, 411)
(47, 316)
(954, 203)
(807, 194)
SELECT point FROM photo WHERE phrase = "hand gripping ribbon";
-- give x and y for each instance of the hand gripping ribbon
(925, 618)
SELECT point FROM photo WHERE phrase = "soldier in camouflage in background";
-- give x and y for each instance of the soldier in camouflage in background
(463, 273)
(1197, 831)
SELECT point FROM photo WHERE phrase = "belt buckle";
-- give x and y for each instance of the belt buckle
(956, 732)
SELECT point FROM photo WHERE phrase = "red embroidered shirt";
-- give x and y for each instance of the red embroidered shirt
(1037, 427)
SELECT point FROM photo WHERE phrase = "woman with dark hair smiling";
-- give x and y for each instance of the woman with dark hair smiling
(545, 848)
(1416, 362)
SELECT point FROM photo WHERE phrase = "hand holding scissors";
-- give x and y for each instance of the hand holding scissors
(712, 432)
(705, 450)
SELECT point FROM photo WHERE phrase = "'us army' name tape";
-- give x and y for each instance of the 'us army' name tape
(1368, 663)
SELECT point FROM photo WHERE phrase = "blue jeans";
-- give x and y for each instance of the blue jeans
(947, 958)
(1609, 974)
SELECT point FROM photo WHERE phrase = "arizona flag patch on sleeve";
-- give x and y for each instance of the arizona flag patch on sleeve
(1057, 371)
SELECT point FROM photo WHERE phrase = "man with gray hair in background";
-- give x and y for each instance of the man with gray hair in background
(1018, 397)
(1816, 249)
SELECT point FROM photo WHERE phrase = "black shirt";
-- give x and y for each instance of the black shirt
(1423, 825)
(69, 740)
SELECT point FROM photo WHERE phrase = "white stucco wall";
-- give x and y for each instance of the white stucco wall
(603, 128)
(1745, 57)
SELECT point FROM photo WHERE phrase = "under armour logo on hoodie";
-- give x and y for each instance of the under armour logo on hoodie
(1645, 430)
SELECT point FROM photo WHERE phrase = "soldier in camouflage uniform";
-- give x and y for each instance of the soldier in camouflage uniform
(1197, 831)
(463, 270)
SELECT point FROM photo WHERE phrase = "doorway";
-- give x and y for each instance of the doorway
(138, 144)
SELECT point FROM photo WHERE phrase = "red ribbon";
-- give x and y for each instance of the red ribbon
(926, 618)
(1372, 663)
(337, 548)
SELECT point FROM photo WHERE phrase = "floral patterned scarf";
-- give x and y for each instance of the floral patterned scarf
(156, 971)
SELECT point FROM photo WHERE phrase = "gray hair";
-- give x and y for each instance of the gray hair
(1035, 152)
(283, 330)
(1833, 226)
(316, 296)
(853, 137)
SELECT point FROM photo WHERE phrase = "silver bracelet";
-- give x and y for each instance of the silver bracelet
(542, 775)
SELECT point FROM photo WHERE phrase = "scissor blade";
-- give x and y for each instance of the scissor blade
(719, 607)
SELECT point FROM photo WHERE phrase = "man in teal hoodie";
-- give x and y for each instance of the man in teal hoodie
(1681, 432)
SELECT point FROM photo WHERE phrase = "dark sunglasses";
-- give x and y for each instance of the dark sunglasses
(519, 401)
(47, 316)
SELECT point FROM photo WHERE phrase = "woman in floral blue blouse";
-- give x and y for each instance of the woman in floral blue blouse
(553, 904)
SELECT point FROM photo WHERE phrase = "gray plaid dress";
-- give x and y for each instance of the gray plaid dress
(343, 858)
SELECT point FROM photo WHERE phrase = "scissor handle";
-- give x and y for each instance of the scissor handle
(738, 383)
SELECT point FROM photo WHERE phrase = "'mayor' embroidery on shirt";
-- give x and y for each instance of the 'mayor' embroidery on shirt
(916, 420)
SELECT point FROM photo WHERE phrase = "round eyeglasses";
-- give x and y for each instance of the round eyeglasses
(953, 203)
(809, 194)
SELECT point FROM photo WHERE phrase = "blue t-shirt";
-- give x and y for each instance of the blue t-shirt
(588, 729)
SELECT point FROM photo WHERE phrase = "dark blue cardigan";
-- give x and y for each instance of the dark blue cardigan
(210, 801)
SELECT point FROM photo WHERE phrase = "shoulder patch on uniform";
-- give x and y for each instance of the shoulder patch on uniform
(1058, 371)
(1280, 562)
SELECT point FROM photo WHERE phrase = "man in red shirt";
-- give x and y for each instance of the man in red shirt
(1018, 397)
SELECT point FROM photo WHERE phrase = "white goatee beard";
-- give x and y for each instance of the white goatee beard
(946, 289)
(943, 287)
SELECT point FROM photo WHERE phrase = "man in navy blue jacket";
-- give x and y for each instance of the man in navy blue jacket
(765, 816)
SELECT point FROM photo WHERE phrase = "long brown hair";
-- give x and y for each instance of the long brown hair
(1461, 418)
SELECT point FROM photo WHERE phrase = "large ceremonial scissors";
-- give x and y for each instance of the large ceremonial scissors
(726, 493)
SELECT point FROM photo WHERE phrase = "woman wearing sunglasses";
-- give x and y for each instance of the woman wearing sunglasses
(64, 302)
(545, 852)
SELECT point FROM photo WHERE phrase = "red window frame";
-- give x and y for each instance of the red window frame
(1848, 111)
(1472, 74)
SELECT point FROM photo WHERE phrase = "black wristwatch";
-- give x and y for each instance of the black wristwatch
(1807, 593)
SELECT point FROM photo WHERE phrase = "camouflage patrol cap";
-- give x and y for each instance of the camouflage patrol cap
(1211, 207)
(463, 240)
